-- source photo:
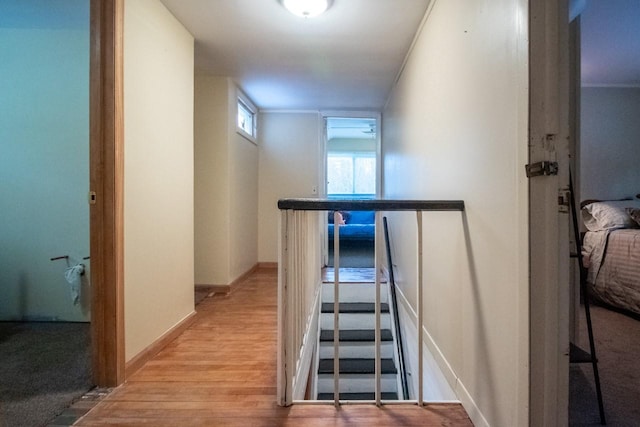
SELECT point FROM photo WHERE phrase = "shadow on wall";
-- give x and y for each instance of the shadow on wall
(480, 331)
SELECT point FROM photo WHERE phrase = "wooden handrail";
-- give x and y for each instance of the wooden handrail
(370, 205)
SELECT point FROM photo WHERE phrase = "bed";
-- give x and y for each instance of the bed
(611, 252)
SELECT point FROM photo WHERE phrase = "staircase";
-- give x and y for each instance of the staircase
(357, 344)
(302, 371)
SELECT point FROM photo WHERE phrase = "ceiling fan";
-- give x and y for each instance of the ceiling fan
(371, 130)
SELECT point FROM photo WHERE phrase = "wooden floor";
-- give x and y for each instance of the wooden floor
(222, 372)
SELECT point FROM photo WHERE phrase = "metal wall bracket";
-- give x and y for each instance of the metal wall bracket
(564, 200)
(544, 168)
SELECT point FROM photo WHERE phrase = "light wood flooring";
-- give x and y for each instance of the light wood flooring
(222, 372)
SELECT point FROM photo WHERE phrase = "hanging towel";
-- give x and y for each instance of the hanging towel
(73, 275)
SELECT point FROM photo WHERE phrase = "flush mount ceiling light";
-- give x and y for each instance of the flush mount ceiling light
(306, 8)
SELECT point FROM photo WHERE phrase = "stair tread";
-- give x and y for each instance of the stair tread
(357, 366)
(359, 396)
(359, 335)
(355, 307)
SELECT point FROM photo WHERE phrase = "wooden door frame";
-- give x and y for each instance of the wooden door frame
(324, 115)
(324, 152)
(106, 185)
(549, 225)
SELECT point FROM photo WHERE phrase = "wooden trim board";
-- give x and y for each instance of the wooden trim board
(155, 347)
(268, 265)
(225, 289)
(106, 185)
(218, 289)
(244, 276)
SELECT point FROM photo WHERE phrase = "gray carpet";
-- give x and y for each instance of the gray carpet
(43, 368)
(617, 338)
(353, 254)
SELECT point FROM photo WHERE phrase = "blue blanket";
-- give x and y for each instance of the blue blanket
(359, 225)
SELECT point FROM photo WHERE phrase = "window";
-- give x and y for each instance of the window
(246, 125)
(351, 173)
(245, 118)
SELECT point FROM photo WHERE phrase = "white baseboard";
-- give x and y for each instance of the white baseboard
(470, 406)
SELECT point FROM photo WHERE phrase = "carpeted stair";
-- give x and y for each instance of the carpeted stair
(356, 344)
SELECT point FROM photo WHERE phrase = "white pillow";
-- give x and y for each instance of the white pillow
(609, 215)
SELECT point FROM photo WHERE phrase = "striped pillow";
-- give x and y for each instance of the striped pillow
(609, 215)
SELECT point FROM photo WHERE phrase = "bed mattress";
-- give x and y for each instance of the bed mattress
(613, 259)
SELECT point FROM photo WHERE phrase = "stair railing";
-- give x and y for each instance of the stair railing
(299, 285)
(299, 266)
(396, 316)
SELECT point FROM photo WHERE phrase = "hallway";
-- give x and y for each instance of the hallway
(222, 371)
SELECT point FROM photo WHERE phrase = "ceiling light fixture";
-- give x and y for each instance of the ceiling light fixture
(306, 8)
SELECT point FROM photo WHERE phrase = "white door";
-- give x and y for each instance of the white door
(351, 159)
(549, 221)
(352, 155)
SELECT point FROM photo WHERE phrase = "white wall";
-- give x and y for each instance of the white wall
(226, 186)
(455, 128)
(243, 212)
(158, 202)
(243, 188)
(44, 157)
(609, 142)
(290, 159)
(212, 190)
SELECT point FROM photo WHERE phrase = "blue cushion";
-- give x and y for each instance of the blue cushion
(361, 217)
(354, 232)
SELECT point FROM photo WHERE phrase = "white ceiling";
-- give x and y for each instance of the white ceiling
(347, 58)
(610, 31)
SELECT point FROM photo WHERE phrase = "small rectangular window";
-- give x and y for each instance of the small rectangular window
(246, 118)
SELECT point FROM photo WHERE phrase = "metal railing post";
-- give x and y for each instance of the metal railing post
(419, 304)
(290, 309)
(378, 363)
(336, 308)
(282, 311)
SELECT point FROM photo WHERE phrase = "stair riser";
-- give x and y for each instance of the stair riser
(356, 350)
(355, 292)
(355, 321)
(357, 383)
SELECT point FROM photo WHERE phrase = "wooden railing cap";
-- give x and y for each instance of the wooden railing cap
(370, 205)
